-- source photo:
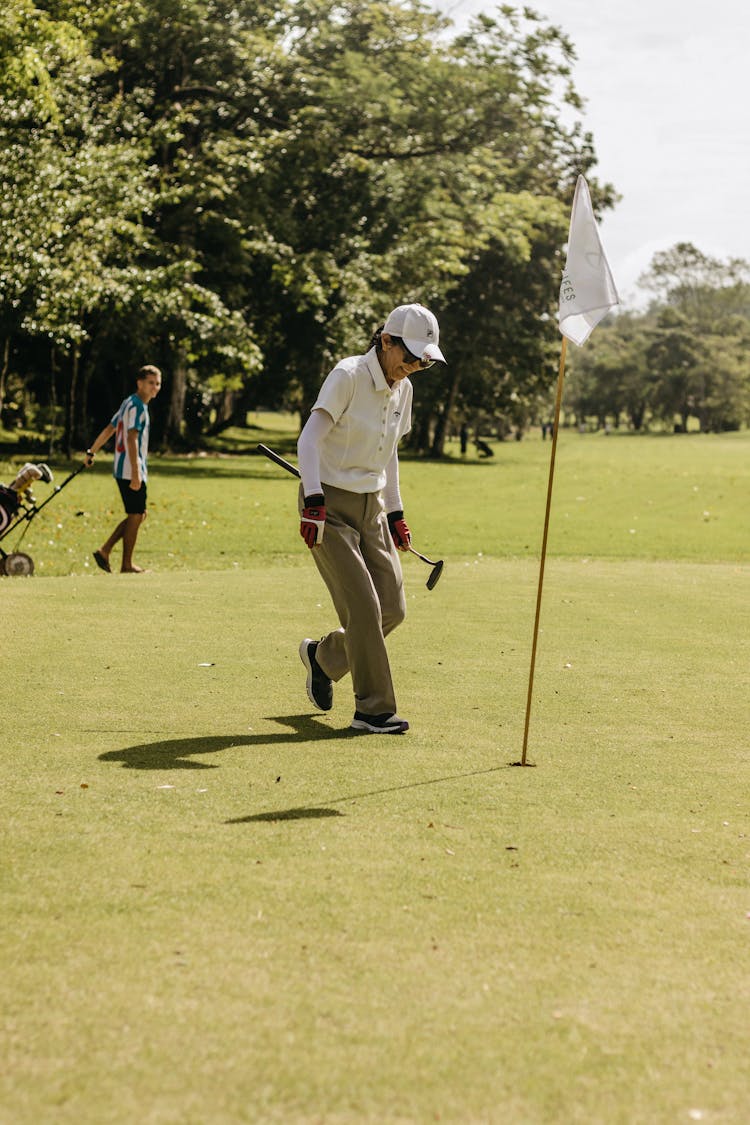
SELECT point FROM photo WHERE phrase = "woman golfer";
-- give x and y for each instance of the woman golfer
(352, 514)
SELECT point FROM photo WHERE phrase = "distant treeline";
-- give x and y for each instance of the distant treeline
(688, 356)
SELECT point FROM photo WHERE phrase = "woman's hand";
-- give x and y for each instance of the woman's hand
(313, 522)
(399, 530)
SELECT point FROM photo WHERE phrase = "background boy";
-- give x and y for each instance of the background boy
(130, 425)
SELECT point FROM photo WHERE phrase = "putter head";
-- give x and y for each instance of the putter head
(435, 573)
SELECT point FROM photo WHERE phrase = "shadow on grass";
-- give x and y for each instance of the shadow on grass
(315, 811)
(241, 468)
(304, 813)
(175, 753)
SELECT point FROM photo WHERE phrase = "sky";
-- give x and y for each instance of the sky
(667, 90)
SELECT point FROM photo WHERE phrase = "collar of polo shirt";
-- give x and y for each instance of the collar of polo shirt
(378, 375)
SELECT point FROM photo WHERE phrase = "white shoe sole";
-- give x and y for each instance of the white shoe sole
(395, 728)
(305, 658)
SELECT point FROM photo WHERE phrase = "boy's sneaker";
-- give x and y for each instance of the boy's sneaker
(379, 724)
(319, 686)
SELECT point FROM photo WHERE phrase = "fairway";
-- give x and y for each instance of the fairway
(618, 497)
(220, 906)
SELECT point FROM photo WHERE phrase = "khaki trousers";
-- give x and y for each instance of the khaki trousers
(360, 566)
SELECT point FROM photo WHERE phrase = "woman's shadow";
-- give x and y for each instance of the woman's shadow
(176, 753)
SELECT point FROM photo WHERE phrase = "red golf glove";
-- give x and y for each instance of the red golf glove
(399, 530)
(313, 520)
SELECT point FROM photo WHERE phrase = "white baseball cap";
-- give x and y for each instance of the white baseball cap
(419, 330)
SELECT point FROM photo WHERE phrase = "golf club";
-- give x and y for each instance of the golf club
(437, 567)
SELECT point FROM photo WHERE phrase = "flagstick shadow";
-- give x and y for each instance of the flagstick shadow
(314, 811)
(305, 812)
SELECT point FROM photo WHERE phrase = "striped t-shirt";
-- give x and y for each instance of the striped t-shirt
(132, 415)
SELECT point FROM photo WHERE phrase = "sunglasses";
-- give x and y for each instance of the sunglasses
(410, 359)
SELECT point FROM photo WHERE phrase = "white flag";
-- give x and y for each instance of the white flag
(587, 292)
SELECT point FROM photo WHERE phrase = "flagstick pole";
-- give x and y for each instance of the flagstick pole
(555, 427)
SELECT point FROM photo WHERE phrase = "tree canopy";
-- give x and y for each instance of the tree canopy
(239, 192)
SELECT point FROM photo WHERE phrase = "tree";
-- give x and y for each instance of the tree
(75, 189)
(279, 176)
(610, 376)
(698, 354)
(420, 169)
(502, 304)
(702, 288)
(196, 73)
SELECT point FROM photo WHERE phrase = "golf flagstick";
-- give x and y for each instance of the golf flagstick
(587, 293)
(555, 427)
(437, 567)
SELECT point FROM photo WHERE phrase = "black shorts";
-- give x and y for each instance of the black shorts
(135, 502)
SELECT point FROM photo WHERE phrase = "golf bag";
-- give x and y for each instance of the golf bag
(12, 495)
(8, 506)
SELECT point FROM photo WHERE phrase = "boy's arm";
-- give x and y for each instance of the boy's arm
(135, 479)
(98, 442)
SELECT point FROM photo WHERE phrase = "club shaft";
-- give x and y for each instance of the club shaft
(422, 557)
(272, 456)
(58, 488)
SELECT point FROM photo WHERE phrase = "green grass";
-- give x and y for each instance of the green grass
(220, 907)
(677, 498)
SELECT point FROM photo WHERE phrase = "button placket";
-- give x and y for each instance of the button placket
(385, 425)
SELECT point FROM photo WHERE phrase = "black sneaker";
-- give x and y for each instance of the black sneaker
(379, 724)
(319, 686)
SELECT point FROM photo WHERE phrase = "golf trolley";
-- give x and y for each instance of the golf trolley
(18, 506)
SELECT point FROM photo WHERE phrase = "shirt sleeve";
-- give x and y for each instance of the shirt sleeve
(406, 409)
(392, 492)
(336, 393)
(135, 417)
(318, 425)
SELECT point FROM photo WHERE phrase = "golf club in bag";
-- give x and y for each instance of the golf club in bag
(18, 506)
(437, 567)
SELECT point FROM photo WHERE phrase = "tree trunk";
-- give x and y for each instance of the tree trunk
(72, 402)
(419, 438)
(438, 438)
(81, 429)
(225, 409)
(444, 420)
(175, 416)
(4, 373)
(636, 416)
(52, 399)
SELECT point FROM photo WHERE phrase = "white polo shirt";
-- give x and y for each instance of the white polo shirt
(370, 419)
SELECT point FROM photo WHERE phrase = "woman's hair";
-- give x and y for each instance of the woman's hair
(375, 341)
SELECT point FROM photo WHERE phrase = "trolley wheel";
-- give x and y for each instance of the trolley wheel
(18, 565)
